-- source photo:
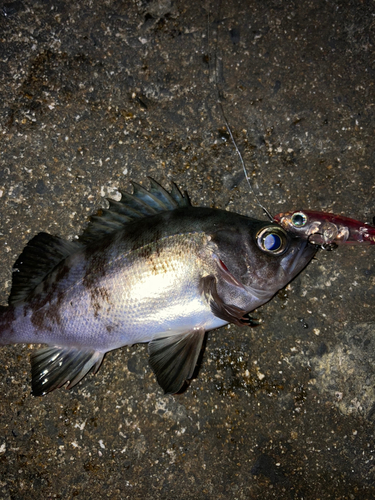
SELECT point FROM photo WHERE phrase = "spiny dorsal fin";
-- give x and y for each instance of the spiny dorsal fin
(140, 204)
(39, 257)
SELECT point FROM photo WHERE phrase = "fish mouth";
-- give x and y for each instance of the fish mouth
(297, 260)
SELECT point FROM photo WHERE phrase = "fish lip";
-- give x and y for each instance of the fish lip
(291, 265)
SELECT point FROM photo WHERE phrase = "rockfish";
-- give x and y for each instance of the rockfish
(151, 268)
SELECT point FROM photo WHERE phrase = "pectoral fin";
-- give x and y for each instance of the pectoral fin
(219, 308)
(173, 359)
(52, 367)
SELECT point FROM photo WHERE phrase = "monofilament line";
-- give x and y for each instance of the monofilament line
(219, 93)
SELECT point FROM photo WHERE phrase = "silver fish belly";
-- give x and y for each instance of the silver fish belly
(151, 268)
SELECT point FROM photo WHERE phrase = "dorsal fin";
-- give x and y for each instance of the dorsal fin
(39, 257)
(140, 204)
(44, 252)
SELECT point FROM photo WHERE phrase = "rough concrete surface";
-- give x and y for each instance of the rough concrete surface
(97, 93)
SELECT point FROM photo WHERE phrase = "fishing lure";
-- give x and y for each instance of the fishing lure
(325, 229)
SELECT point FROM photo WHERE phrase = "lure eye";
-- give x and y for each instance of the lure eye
(272, 240)
(299, 219)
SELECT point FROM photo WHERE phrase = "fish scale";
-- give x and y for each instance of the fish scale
(151, 268)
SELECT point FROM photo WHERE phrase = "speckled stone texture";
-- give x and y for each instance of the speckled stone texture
(96, 93)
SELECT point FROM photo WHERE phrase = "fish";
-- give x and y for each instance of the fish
(325, 229)
(149, 268)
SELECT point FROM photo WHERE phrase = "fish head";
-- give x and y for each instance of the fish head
(263, 256)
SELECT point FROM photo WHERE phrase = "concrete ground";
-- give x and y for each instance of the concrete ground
(97, 93)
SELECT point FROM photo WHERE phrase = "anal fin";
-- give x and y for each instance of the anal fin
(52, 367)
(173, 359)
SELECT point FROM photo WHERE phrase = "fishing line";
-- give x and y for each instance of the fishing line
(220, 104)
(243, 163)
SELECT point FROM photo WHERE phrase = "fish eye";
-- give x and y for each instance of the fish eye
(299, 219)
(272, 240)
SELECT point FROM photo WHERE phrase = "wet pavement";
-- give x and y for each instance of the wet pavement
(100, 93)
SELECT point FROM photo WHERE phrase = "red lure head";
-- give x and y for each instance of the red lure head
(326, 229)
